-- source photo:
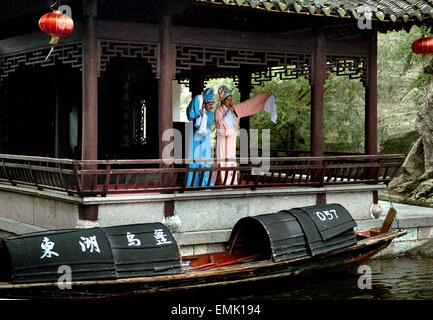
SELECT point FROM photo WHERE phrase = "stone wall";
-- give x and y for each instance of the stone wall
(6, 234)
(206, 217)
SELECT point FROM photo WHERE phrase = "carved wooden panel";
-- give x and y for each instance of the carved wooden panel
(69, 53)
(146, 51)
(299, 67)
(226, 62)
(353, 67)
(188, 56)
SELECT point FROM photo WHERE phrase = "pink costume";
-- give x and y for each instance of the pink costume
(227, 123)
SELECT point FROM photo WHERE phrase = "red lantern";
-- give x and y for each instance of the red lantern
(57, 25)
(423, 46)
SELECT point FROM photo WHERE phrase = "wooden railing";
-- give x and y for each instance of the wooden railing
(104, 177)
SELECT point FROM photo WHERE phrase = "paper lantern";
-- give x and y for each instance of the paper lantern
(57, 25)
(423, 46)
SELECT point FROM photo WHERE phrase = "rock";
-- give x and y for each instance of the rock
(412, 168)
(424, 126)
(424, 190)
(416, 176)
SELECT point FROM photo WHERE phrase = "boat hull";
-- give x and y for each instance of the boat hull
(224, 277)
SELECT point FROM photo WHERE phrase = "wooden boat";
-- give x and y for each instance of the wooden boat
(237, 265)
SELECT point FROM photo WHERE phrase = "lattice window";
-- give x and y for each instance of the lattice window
(223, 63)
(353, 67)
(184, 79)
(146, 51)
(188, 56)
(69, 53)
(16, 4)
(281, 72)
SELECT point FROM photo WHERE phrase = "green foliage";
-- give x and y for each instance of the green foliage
(402, 86)
(292, 130)
(400, 143)
(343, 114)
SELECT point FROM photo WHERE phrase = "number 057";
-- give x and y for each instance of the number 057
(327, 215)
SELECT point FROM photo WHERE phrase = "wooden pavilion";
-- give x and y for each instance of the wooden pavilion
(106, 93)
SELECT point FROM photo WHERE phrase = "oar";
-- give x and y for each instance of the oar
(390, 216)
(388, 220)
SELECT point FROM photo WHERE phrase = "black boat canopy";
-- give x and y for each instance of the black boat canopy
(295, 233)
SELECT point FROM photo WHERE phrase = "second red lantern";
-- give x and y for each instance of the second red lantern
(423, 46)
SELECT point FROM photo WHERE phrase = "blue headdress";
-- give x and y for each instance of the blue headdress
(208, 95)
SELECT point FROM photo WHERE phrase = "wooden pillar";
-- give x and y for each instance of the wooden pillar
(2, 118)
(196, 81)
(375, 197)
(88, 212)
(59, 126)
(371, 97)
(90, 82)
(89, 150)
(317, 92)
(318, 78)
(245, 91)
(165, 114)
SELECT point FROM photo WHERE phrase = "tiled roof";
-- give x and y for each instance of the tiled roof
(383, 10)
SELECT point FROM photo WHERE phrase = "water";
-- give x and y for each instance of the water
(403, 278)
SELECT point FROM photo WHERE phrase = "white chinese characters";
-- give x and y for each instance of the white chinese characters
(132, 242)
(89, 244)
(160, 237)
(48, 246)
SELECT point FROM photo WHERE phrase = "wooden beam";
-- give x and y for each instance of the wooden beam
(321, 198)
(36, 40)
(59, 127)
(3, 98)
(136, 32)
(317, 93)
(169, 208)
(125, 31)
(196, 82)
(245, 91)
(90, 82)
(88, 212)
(165, 114)
(371, 97)
(240, 40)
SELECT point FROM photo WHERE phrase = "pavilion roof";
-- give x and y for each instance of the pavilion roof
(402, 11)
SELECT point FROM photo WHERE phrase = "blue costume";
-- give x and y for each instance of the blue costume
(202, 128)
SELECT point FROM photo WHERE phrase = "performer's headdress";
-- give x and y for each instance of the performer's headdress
(208, 95)
(223, 93)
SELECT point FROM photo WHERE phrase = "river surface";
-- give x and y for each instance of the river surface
(397, 278)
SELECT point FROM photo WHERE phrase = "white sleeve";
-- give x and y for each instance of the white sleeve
(271, 107)
(203, 124)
